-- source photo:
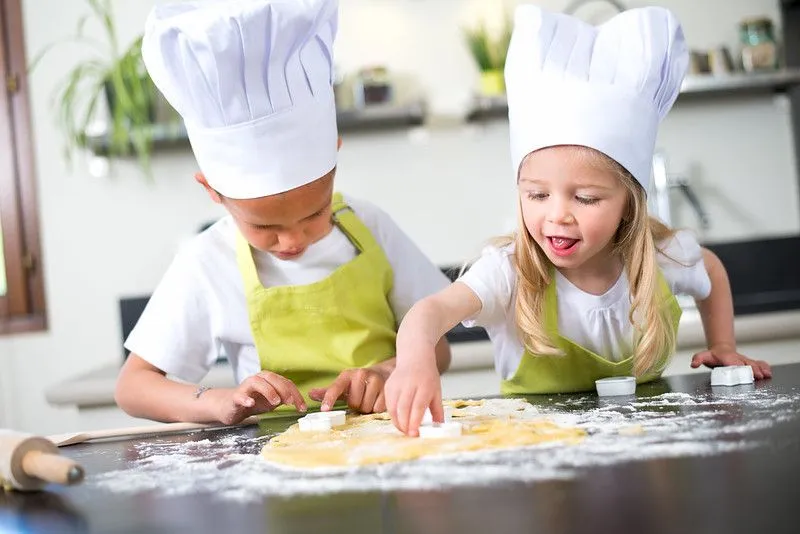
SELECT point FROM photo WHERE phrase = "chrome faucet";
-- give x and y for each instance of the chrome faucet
(573, 7)
(663, 183)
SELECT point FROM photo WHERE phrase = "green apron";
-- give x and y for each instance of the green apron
(579, 367)
(311, 333)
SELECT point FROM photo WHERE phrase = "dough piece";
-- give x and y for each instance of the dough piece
(373, 439)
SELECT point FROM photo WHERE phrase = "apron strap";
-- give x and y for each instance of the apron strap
(551, 307)
(346, 219)
(343, 217)
(247, 265)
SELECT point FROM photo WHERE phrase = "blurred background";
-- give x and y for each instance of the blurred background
(97, 188)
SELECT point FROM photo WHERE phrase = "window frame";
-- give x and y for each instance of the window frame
(22, 309)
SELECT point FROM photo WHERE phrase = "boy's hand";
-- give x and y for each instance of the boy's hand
(723, 356)
(262, 392)
(362, 388)
(410, 390)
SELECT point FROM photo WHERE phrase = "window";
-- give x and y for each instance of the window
(21, 286)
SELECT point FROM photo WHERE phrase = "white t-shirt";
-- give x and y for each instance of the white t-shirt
(199, 307)
(597, 322)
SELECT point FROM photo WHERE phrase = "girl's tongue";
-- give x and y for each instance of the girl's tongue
(562, 243)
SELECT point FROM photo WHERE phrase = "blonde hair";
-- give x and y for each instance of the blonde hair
(635, 241)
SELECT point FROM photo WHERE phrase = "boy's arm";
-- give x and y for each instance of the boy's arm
(143, 390)
(716, 312)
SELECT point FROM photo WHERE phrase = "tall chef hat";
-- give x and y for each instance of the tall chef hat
(605, 87)
(253, 81)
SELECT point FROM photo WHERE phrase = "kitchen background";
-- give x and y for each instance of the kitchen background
(109, 233)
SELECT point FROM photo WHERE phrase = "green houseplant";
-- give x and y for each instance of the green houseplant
(489, 51)
(111, 75)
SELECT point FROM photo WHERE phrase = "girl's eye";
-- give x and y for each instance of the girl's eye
(536, 196)
(587, 200)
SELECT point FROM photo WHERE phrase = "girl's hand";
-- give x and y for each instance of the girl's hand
(262, 392)
(724, 356)
(410, 390)
(361, 388)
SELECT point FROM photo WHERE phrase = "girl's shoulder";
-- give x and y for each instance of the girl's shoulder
(681, 248)
(493, 267)
(680, 258)
(493, 256)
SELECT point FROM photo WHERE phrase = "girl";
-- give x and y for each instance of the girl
(585, 288)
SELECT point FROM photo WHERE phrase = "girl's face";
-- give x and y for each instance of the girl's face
(572, 205)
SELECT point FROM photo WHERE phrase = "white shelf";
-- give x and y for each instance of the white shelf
(373, 117)
(694, 87)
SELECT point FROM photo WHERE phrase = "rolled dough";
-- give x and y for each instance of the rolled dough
(373, 439)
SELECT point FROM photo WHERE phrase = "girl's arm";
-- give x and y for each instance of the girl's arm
(716, 312)
(415, 384)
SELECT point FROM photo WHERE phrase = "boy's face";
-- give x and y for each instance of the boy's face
(286, 224)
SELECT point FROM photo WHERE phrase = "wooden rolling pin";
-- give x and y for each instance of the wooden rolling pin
(29, 463)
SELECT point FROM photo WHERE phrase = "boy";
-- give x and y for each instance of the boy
(302, 289)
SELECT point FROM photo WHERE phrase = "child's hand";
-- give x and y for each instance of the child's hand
(362, 388)
(262, 392)
(716, 357)
(410, 390)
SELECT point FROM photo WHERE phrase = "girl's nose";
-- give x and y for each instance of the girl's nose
(559, 213)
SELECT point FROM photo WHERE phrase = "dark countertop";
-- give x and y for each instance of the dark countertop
(742, 490)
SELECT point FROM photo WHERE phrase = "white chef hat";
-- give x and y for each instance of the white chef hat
(605, 87)
(253, 81)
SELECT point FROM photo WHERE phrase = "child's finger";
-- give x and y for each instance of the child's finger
(390, 398)
(703, 358)
(335, 391)
(356, 389)
(266, 390)
(243, 399)
(317, 394)
(406, 397)
(390, 401)
(418, 407)
(371, 392)
(288, 392)
(437, 410)
(760, 369)
(380, 403)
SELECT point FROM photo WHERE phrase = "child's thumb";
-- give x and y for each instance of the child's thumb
(702, 358)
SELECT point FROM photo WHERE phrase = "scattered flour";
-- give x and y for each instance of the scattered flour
(667, 425)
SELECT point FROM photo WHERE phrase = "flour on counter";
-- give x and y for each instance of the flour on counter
(667, 425)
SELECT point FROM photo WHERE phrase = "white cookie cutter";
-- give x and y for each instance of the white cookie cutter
(322, 421)
(427, 418)
(616, 386)
(732, 375)
(450, 429)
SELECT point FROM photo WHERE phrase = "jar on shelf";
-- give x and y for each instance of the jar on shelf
(759, 49)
